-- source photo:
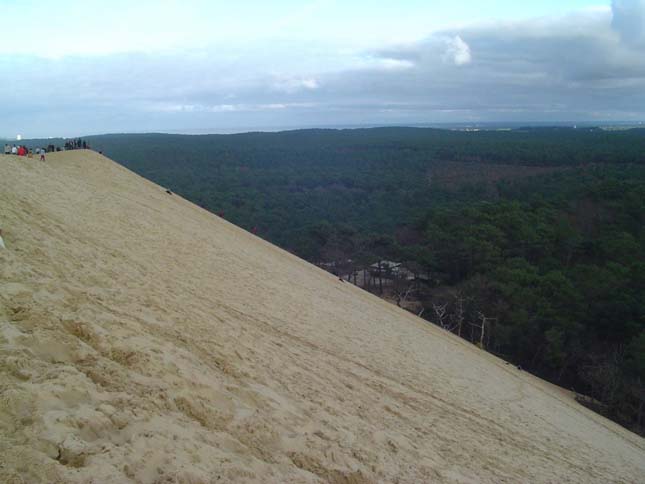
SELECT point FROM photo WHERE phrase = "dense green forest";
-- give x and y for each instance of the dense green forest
(530, 242)
(557, 268)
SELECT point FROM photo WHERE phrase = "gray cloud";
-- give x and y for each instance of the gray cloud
(588, 64)
(629, 20)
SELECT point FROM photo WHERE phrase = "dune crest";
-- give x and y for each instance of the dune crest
(143, 339)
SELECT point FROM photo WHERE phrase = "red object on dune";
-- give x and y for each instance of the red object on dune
(22, 151)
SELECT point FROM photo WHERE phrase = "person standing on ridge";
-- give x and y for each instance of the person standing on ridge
(7, 149)
(14, 150)
(42, 155)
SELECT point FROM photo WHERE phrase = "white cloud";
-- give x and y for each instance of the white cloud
(216, 108)
(293, 85)
(458, 51)
(628, 19)
(393, 64)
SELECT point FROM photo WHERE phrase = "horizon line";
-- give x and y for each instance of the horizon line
(483, 125)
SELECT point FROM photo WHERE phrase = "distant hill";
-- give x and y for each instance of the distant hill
(144, 339)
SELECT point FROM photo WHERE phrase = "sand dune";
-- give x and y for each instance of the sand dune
(143, 339)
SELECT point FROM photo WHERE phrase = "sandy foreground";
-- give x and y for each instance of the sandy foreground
(143, 339)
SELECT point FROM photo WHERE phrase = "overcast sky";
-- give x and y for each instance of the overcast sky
(75, 67)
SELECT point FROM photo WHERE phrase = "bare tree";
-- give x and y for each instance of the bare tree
(402, 297)
(459, 311)
(484, 321)
(440, 312)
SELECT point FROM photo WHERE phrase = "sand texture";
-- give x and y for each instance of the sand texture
(143, 339)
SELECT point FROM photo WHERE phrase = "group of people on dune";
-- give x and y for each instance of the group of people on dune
(76, 144)
(24, 151)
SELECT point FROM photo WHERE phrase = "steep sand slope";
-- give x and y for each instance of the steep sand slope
(144, 339)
